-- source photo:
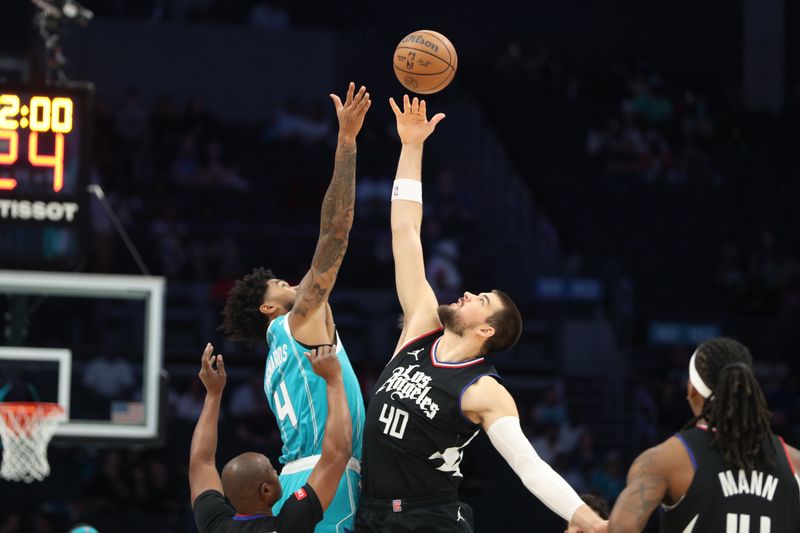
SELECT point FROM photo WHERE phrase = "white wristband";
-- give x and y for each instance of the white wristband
(405, 189)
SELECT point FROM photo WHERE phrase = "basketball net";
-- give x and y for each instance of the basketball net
(25, 430)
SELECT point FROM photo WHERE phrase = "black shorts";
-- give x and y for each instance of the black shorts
(444, 514)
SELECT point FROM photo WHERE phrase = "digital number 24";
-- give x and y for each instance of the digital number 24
(54, 161)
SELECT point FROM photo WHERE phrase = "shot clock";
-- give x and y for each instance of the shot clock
(45, 135)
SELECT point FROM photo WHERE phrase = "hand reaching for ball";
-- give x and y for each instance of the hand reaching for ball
(413, 125)
(351, 112)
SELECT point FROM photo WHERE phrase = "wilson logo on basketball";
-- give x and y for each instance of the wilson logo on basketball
(418, 39)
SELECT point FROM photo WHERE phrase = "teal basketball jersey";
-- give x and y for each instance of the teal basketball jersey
(297, 395)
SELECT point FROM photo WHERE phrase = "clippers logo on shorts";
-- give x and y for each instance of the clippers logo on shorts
(408, 383)
(300, 494)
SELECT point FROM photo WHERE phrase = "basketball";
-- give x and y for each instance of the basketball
(425, 62)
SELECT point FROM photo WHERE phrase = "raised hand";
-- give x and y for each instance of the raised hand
(351, 113)
(413, 125)
(325, 363)
(213, 378)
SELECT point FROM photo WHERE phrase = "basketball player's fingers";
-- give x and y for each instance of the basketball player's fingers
(360, 95)
(437, 118)
(394, 107)
(363, 103)
(406, 104)
(367, 106)
(350, 90)
(311, 356)
(205, 360)
(337, 102)
(415, 105)
(423, 108)
(220, 366)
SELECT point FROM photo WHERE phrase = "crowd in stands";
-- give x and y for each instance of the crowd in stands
(203, 199)
(645, 176)
(656, 176)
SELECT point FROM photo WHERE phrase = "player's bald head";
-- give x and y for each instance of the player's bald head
(250, 481)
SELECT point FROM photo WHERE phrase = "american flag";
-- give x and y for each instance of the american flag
(127, 413)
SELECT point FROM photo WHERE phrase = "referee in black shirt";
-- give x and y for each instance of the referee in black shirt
(242, 500)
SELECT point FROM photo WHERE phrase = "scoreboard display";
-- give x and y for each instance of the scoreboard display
(45, 151)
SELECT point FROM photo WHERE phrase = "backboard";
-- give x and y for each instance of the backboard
(90, 342)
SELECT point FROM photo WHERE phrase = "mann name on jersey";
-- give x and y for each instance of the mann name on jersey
(757, 485)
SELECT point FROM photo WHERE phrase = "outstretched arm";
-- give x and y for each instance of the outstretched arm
(337, 443)
(646, 489)
(416, 296)
(203, 473)
(308, 317)
(488, 403)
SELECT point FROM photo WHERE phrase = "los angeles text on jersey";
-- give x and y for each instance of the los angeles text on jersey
(406, 383)
(757, 485)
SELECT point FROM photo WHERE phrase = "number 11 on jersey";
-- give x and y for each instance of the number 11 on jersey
(741, 524)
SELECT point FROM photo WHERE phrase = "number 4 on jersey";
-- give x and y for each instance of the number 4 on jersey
(286, 409)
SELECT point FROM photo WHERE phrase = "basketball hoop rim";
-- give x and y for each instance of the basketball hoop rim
(38, 409)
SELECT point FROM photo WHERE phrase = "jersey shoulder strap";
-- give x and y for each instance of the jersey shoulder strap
(421, 339)
(696, 441)
(276, 325)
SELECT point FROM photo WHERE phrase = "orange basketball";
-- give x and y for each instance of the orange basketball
(425, 62)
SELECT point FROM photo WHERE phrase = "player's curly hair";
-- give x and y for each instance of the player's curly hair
(736, 411)
(242, 321)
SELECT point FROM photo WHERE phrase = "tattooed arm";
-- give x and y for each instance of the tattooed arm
(309, 316)
(647, 487)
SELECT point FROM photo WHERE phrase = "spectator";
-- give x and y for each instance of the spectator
(111, 378)
(109, 490)
(189, 403)
(443, 272)
(553, 410)
(609, 480)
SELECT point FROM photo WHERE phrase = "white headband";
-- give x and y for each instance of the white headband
(695, 379)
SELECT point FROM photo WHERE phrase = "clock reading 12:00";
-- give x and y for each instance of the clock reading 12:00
(45, 161)
(42, 114)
